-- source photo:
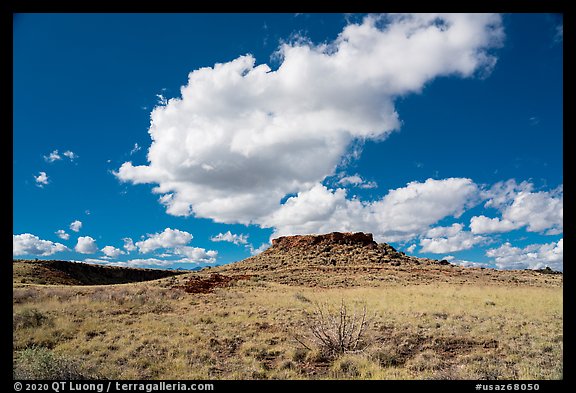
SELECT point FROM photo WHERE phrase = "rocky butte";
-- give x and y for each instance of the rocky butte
(336, 249)
(310, 259)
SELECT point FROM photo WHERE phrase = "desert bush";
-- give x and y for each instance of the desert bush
(42, 363)
(29, 318)
(385, 356)
(425, 361)
(347, 367)
(353, 366)
(301, 298)
(24, 295)
(336, 332)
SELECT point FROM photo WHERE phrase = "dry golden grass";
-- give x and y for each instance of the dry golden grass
(441, 330)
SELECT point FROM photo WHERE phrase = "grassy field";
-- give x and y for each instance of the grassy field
(259, 329)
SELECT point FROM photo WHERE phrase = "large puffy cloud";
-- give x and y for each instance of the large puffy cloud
(440, 240)
(195, 254)
(520, 206)
(169, 238)
(401, 214)
(86, 245)
(242, 136)
(534, 256)
(28, 244)
(483, 224)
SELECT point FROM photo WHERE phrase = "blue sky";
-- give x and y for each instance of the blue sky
(179, 140)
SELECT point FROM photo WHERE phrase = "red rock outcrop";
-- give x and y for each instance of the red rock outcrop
(306, 241)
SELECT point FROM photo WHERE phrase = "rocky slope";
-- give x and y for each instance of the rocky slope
(335, 249)
(355, 259)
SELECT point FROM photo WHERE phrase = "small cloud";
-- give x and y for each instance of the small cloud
(41, 179)
(411, 248)
(87, 212)
(256, 251)
(112, 252)
(129, 244)
(71, 155)
(76, 226)
(135, 149)
(448, 257)
(534, 121)
(231, 238)
(62, 234)
(54, 156)
(559, 35)
(464, 263)
(419, 164)
(162, 100)
(356, 181)
(86, 245)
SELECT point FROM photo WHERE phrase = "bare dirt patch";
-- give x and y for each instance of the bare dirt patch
(197, 284)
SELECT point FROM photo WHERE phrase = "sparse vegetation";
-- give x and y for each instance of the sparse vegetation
(357, 322)
(29, 318)
(337, 332)
(149, 331)
(42, 363)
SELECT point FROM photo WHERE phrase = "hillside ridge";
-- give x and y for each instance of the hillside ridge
(56, 272)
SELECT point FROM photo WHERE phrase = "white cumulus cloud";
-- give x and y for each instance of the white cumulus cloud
(41, 179)
(76, 226)
(70, 154)
(356, 181)
(241, 136)
(231, 238)
(483, 224)
(112, 252)
(440, 240)
(195, 254)
(139, 262)
(129, 244)
(534, 256)
(86, 245)
(62, 234)
(521, 206)
(28, 244)
(402, 214)
(169, 238)
(53, 156)
(255, 251)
